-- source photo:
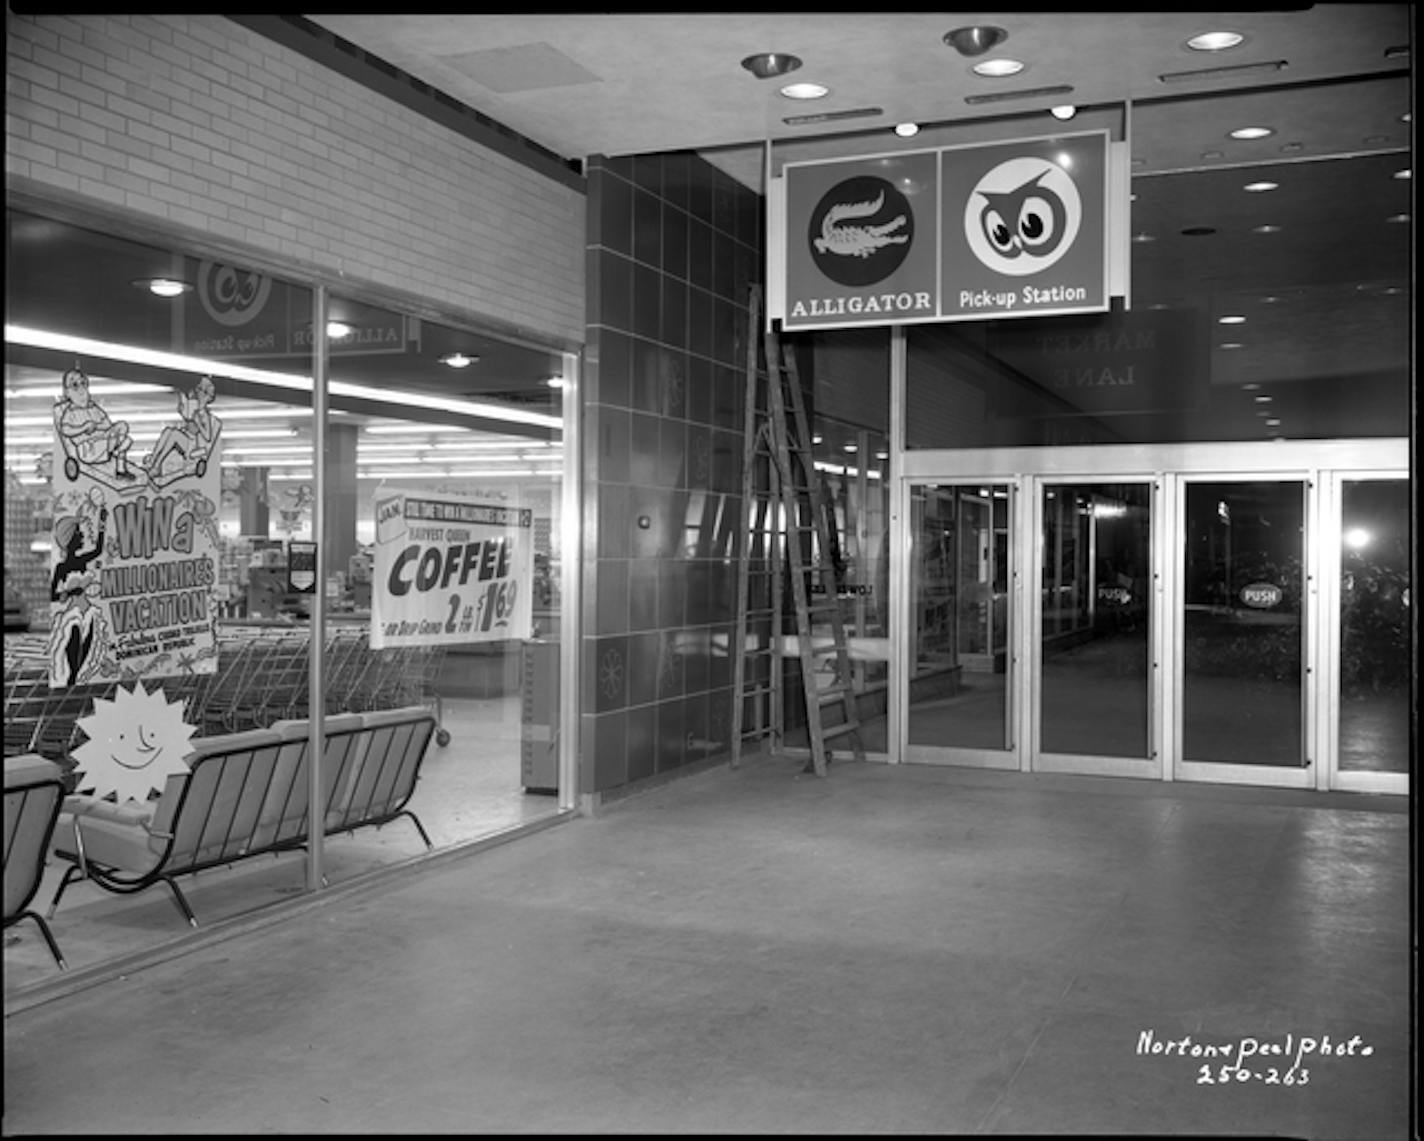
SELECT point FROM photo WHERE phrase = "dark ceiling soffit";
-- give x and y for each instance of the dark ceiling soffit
(342, 56)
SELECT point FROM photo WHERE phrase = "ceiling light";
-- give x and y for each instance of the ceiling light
(998, 68)
(1215, 41)
(1397, 218)
(1266, 228)
(976, 40)
(555, 382)
(1260, 187)
(1231, 319)
(768, 65)
(1064, 111)
(163, 286)
(1229, 345)
(458, 360)
(1252, 132)
(907, 130)
(337, 329)
(805, 91)
(1406, 173)
(1262, 399)
(1143, 238)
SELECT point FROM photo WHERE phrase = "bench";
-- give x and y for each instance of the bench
(34, 791)
(246, 794)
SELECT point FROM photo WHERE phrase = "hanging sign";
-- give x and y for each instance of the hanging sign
(135, 542)
(450, 569)
(1006, 229)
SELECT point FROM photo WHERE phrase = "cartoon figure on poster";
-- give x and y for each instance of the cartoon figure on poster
(183, 449)
(134, 561)
(450, 569)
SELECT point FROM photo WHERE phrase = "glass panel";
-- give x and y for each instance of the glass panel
(182, 523)
(1242, 623)
(1375, 599)
(1326, 297)
(1095, 636)
(959, 691)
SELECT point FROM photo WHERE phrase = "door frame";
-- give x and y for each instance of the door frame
(1322, 464)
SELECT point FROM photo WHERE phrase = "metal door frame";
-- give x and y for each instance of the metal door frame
(1323, 465)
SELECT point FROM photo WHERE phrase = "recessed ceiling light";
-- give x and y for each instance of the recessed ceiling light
(1142, 238)
(1259, 187)
(458, 360)
(338, 329)
(1263, 399)
(1265, 228)
(1215, 41)
(1398, 218)
(1406, 173)
(767, 65)
(1251, 387)
(555, 382)
(1231, 319)
(907, 130)
(163, 286)
(1229, 345)
(998, 68)
(805, 91)
(1063, 111)
(976, 40)
(1253, 132)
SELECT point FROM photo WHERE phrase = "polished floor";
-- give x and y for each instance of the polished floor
(755, 950)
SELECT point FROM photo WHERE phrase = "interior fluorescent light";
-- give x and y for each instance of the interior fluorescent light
(1253, 132)
(907, 130)
(179, 362)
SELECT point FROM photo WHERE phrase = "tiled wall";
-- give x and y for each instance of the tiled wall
(673, 244)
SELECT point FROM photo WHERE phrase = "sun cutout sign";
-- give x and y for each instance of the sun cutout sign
(135, 742)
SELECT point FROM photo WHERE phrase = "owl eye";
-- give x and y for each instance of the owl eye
(999, 232)
(1036, 222)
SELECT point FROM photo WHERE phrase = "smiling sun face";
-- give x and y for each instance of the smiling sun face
(135, 742)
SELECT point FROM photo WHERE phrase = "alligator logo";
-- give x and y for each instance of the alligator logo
(857, 241)
(860, 231)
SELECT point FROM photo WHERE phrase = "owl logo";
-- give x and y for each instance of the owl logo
(1023, 216)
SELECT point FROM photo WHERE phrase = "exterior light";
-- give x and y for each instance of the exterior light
(768, 65)
(976, 40)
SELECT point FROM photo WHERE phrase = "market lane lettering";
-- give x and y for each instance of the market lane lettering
(433, 568)
(140, 528)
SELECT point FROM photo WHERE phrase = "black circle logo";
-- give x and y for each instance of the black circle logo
(860, 231)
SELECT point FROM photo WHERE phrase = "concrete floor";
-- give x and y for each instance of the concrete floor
(888, 949)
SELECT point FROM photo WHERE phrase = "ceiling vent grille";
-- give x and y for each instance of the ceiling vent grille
(832, 116)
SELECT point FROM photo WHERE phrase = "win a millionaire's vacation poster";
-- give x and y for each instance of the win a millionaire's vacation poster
(135, 540)
(450, 569)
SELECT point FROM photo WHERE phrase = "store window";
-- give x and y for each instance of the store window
(174, 565)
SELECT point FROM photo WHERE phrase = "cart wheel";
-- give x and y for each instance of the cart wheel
(71, 468)
(442, 737)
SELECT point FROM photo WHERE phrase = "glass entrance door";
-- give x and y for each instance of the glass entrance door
(1094, 646)
(1242, 632)
(961, 663)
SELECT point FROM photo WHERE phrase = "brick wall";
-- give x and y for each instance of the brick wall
(195, 121)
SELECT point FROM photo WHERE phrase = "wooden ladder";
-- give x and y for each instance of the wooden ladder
(785, 534)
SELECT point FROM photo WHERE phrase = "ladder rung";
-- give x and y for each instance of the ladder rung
(840, 730)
